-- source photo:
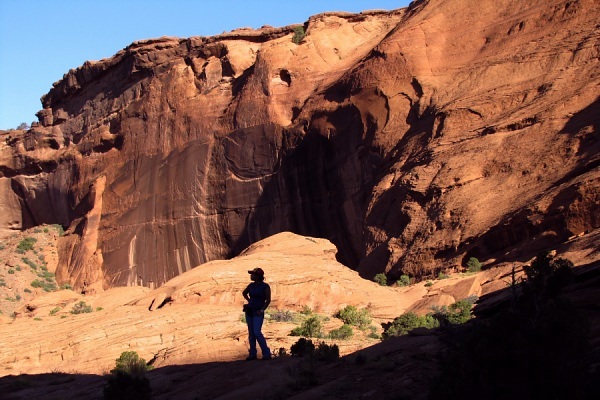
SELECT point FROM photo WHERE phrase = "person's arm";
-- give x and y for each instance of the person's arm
(245, 293)
(267, 297)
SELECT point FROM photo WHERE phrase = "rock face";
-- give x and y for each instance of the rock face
(412, 139)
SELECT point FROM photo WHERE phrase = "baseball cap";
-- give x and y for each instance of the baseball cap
(257, 271)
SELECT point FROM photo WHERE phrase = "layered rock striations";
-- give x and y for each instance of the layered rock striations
(412, 139)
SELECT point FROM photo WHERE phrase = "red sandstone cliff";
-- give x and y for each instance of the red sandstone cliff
(412, 140)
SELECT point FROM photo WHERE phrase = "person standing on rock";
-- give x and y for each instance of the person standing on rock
(258, 296)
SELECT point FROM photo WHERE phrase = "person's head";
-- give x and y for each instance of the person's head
(257, 274)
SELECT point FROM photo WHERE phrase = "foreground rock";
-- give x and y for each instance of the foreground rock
(411, 139)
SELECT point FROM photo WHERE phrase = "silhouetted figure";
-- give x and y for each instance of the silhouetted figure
(258, 296)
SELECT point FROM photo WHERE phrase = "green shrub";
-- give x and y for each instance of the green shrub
(128, 380)
(309, 328)
(2, 246)
(473, 265)
(442, 275)
(46, 285)
(59, 229)
(281, 316)
(11, 271)
(322, 352)
(45, 230)
(343, 332)
(352, 316)
(298, 34)
(81, 308)
(407, 322)
(27, 290)
(403, 281)
(381, 279)
(428, 284)
(325, 352)
(26, 244)
(306, 310)
(457, 313)
(31, 264)
(302, 348)
(54, 310)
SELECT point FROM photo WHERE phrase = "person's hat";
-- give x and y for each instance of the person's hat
(257, 271)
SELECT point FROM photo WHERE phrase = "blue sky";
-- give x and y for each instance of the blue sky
(40, 40)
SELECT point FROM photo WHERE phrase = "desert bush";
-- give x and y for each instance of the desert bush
(326, 352)
(128, 379)
(343, 332)
(302, 348)
(31, 264)
(281, 316)
(46, 285)
(380, 279)
(473, 265)
(11, 271)
(82, 308)
(404, 280)
(306, 310)
(54, 310)
(442, 275)
(352, 316)
(457, 313)
(309, 328)
(407, 322)
(322, 352)
(298, 34)
(26, 244)
(59, 229)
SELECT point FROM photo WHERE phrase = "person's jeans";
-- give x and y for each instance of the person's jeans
(255, 335)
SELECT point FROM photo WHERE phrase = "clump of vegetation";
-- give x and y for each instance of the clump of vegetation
(31, 264)
(59, 229)
(404, 280)
(299, 34)
(45, 284)
(473, 265)
(322, 352)
(26, 244)
(442, 275)
(81, 308)
(407, 322)
(380, 279)
(306, 310)
(281, 316)
(310, 328)
(457, 313)
(128, 379)
(343, 332)
(352, 316)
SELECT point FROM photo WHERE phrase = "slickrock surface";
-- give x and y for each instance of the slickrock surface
(412, 139)
(196, 317)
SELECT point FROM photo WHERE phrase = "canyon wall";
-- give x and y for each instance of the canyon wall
(412, 139)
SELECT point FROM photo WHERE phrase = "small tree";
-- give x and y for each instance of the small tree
(309, 328)
(352, 316)
(298, 34)
(128, 380)
(381, 279)
(403, 281)
(343, 332)
(473, 265)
